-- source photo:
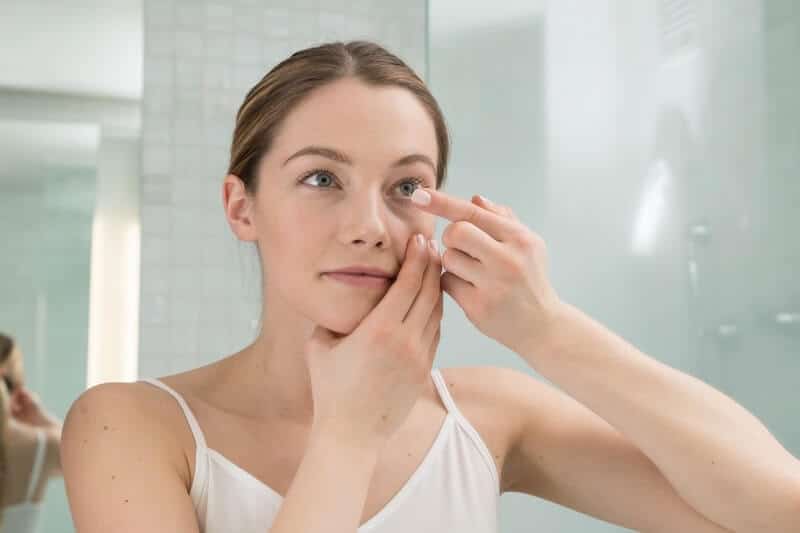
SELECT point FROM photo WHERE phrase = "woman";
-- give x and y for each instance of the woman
(29, 445)
(334, 418)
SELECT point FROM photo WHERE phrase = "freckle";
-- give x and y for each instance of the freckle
(85, 441)
(105, 428)
(113, 477)
(126, 501)
(384, 417)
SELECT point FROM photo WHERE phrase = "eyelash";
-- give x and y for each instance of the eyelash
(416, 181)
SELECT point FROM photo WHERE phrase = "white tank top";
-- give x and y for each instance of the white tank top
(455, 487)
(23, 517)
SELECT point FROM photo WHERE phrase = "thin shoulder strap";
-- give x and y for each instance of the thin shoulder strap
(199, 438)
(38, 463)
(466, 425)
(444, 392)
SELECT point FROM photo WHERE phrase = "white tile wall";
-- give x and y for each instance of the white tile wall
(200, 289)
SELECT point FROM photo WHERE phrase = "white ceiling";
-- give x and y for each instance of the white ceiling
(91, 47)
(95, 47)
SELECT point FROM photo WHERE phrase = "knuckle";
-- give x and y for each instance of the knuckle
(512, 265)
(454, 232)
(409, 346)
(531, 240)
(474, 214)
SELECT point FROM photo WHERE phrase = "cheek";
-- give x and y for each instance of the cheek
(415, 221)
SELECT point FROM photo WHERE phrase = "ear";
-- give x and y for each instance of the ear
(238, 205)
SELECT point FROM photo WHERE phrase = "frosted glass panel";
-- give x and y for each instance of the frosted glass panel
(655, 146)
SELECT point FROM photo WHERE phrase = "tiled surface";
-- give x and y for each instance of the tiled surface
(200, 286)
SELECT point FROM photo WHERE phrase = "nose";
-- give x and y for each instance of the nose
(364, 221)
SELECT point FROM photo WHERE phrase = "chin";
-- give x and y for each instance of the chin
(343, 319)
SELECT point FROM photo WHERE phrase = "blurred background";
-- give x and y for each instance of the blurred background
(654, 144)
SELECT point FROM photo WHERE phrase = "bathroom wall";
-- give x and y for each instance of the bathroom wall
(200, 293)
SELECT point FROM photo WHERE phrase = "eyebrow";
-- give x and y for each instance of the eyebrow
(336, 155)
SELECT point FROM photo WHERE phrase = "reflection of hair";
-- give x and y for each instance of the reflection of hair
(6, 347)
(281, 89)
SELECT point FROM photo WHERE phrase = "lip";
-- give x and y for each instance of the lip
(362, 276)
(360, 280)
(364, 270)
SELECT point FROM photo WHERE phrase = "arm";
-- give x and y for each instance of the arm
(563, 452)
(330, 487)
(718, 457)
(122, 466)
(53, 455)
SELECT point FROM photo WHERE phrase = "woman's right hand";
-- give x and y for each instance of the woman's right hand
(364, 384)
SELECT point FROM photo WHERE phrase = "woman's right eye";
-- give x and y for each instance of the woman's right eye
(320, 172)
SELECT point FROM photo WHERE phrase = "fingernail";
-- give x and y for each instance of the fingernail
(434, 246)
(485, 200)
(421, 197)
(420, 240)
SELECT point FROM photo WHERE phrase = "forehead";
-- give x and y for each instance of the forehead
(367, 122)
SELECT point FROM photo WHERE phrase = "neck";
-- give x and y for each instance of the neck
(271, 374)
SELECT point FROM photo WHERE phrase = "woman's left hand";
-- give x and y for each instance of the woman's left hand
(27, 407)
(496, 270)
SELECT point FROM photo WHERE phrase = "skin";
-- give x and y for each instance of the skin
(362, 214)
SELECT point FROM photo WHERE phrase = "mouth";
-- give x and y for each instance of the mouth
(360, 280)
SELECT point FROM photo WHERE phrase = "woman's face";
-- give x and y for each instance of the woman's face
(313, 214)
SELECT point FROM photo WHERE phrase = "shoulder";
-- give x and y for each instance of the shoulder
(119, 418)
(123, 465)
(493, 399)
(483, 382)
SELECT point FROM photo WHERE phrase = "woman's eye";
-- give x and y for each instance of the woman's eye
(320, 173)
(411, 185)
(407, 186)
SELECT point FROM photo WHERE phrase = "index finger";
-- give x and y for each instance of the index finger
(453, 209)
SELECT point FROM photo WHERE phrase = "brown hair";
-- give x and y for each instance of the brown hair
(6, 347)
(281, 89)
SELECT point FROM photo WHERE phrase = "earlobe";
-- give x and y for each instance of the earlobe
(237, 204)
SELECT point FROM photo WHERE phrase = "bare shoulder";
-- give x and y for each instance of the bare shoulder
(122, 463)
(131, 411)
(490, 398)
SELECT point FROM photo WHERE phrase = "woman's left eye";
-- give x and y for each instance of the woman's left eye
(415, 184)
